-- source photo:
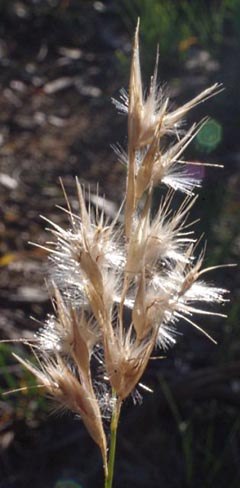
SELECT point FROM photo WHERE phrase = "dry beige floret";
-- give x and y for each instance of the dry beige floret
(146, 266)
(148, 121)
(65, 388)
(126, 359)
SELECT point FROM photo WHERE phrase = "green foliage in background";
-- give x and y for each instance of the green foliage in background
(67, 484)
(26, 404)
(178, 25)
(198, 437)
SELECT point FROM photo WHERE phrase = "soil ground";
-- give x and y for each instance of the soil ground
(58, 74)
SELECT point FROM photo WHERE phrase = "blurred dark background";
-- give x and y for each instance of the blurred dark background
(61, 61)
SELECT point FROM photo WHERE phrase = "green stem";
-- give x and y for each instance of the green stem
(113, 440)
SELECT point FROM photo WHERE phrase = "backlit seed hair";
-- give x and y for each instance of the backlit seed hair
(139, 263)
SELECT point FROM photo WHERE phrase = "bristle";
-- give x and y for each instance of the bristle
(118, 290)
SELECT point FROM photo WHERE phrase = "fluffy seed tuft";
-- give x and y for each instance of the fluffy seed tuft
(122, 288)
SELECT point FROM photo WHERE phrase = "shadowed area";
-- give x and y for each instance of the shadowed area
(60, 63)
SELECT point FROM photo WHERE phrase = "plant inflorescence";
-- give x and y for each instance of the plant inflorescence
(139, 265)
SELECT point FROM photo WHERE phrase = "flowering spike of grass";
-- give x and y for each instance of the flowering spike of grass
(139, 261)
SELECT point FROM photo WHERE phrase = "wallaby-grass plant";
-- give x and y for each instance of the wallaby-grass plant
(141, 262)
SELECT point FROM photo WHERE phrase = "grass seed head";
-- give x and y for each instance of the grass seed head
(101, 268)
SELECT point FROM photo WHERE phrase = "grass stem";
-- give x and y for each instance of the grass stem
(113, 440)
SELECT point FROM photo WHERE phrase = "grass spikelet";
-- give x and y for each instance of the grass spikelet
(143, 262)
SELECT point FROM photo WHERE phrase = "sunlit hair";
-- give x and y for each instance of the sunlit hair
(121, 286)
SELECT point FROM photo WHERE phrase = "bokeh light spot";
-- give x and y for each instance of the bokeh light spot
(209, 136)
